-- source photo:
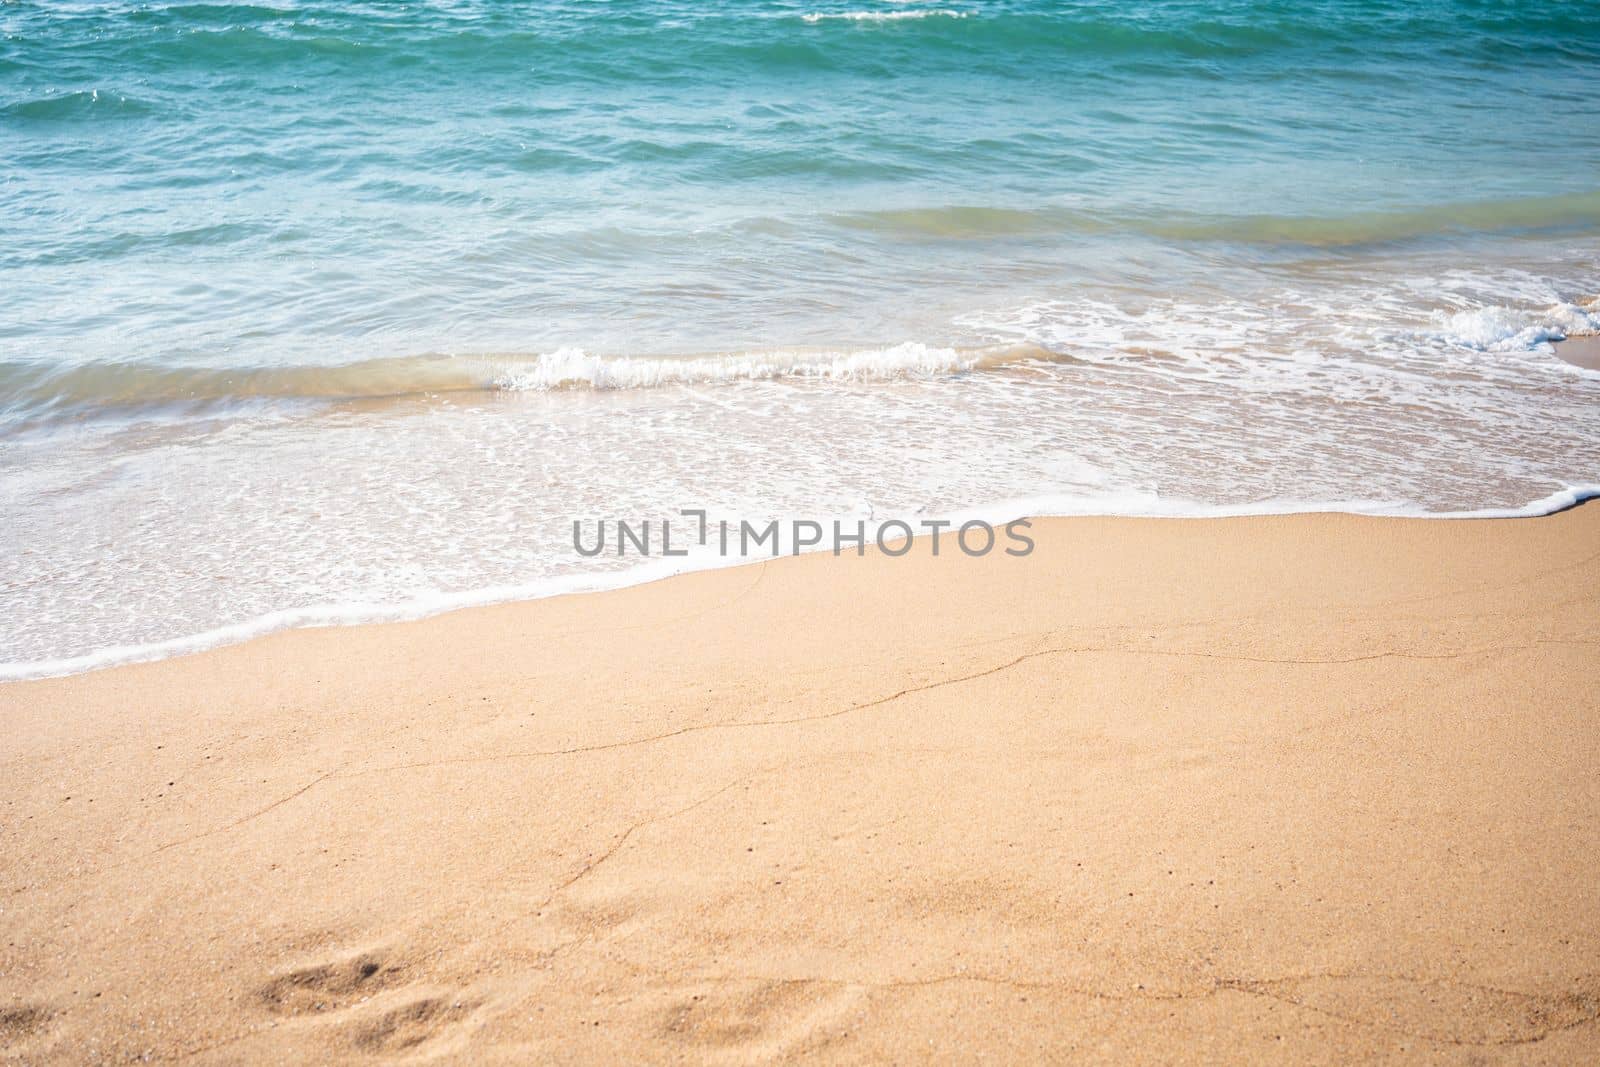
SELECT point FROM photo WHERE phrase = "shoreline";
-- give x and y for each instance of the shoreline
(1581, 350)
(1297, 786)
(330, 616)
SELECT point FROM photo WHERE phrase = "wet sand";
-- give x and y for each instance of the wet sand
(1582, 350)
(1273, 789)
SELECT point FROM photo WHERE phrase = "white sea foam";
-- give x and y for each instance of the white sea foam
(573, 368)
(883, 16)
(1349, 394)
(1503, 329)
(1129, 504)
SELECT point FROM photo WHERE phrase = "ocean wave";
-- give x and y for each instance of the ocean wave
(76, 104)
(570, 368)
(883, 16)
(32, 391)
(571, 37)
(1303, 345)
(1574, 212)
(969, 221)
(1503, 329)
(1207, 337)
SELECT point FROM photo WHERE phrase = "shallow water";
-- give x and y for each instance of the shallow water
(323, 311)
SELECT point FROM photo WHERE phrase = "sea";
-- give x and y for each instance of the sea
(328, 312)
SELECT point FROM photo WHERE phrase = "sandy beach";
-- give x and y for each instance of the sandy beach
(394, 399)
(1274, 789)
(1584, 350)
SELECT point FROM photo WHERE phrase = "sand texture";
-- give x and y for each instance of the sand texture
(1583, 350)
(1272, 789)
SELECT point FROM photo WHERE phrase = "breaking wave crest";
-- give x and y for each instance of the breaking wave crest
(1055, 332)
(573, 368)
(1051, 333)
(883, 16)
(1501, 329)
(35, 391)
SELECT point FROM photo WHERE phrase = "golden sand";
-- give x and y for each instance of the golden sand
(1274, 789)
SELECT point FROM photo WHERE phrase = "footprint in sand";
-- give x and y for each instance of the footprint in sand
(758, 1019)
(409, 1025)
(20, 1021)
(330, 986)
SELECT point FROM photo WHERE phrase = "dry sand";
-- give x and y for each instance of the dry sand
(1273, 789)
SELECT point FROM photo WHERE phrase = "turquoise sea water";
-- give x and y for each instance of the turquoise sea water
(316, 311)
